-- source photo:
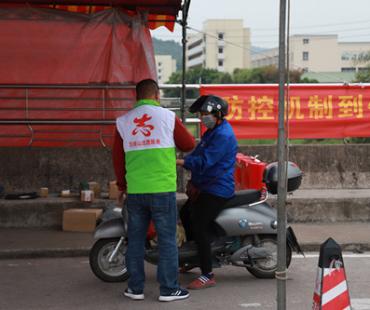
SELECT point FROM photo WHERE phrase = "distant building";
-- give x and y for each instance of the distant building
(223, 44)
(166, 65)
(349, 52)
(317, 53)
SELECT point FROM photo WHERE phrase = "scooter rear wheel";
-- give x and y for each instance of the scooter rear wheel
(266, 268)
(114, 271)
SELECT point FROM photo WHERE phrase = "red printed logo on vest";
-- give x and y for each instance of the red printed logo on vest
(142, 127)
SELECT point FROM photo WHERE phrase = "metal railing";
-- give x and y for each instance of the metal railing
(33, 106)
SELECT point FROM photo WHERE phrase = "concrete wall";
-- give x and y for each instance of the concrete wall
(325, 166)
(28, 169)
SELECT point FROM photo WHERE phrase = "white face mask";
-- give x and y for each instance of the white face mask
(209, 121)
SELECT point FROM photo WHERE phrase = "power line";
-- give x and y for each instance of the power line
(329, 32)
(336, 31)
(316, 26)
(318, 39)
(305, 27)
(274, 39)
(250, 50)
(323, 32)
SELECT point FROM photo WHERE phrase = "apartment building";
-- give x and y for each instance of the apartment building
(350, 52)
(166, 65)
(223, 44)
(317, 53)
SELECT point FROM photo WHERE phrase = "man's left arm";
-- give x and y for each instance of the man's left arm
(183, 139)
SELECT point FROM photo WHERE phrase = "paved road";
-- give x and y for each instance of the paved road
(67, 283)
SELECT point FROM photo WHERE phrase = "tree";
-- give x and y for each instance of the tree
(362, 76)
(196, 76)
(263, 75)
(165, 47)
(268, 74)
(362, 58)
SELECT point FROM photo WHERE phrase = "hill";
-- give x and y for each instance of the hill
(173, 48)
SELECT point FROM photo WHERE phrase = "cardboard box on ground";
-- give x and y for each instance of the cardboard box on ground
(113, 190)
(81, 220)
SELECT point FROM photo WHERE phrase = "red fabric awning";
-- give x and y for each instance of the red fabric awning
(161, 7)
(160, 13)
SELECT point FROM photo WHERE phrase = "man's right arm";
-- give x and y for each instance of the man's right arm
(183, 139)
(118, 156)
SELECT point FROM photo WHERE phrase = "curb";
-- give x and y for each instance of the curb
(346, 247)
(44, 253)
(84, 251)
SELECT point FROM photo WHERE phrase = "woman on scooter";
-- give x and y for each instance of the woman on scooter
(212, 181)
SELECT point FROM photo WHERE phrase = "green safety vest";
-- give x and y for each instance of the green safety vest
(147, 132)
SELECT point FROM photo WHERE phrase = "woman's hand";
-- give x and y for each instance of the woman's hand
(180, 162)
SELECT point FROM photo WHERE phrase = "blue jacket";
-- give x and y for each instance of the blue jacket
(212, 163)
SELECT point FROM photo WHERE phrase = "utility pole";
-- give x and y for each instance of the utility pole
(183, 88)
(282, 167)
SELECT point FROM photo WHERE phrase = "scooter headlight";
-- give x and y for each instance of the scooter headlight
(274, 224)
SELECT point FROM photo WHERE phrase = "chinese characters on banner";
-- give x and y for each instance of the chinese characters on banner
(314, 111)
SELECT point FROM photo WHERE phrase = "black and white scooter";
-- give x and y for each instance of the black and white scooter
(245, 235)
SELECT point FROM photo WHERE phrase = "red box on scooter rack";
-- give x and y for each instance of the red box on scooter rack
(249, 172)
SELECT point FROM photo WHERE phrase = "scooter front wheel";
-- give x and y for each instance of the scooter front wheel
(108, 271)
(266, 268)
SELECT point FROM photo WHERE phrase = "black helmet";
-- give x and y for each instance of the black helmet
(210, 104)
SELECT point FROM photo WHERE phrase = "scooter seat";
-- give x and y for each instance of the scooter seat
(244, 197)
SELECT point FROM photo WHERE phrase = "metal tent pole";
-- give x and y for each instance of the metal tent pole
(184, 25)
(282, 171)
(183, 88)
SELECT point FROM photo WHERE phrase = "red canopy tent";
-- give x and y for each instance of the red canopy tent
(170, 7)
(161, 12)
(71, 63)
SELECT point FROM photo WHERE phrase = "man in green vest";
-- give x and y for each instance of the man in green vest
(144, 157)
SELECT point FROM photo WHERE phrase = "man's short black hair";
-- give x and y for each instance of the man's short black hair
(146, 89)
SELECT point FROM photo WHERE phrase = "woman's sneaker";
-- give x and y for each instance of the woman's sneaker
(175, 295)
(133, 295)
(201, 282)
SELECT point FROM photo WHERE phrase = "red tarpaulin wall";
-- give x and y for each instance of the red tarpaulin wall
(47, 46)
(315, 111)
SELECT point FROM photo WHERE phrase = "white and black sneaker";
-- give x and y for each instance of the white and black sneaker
(179, 294)
(133, 295)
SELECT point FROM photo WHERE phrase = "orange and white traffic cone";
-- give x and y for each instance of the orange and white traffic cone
(331, 289)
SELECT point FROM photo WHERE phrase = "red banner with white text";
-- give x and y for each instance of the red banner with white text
(314, 111)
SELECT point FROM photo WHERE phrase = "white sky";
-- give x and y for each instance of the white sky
(350, 19)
